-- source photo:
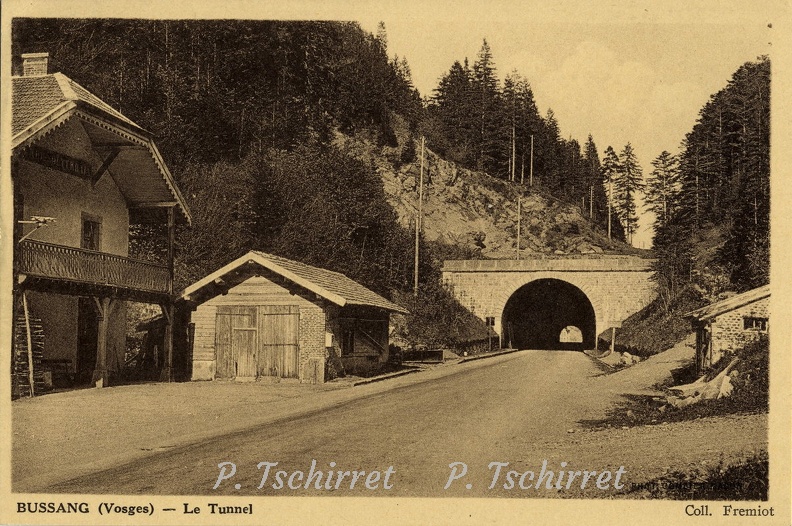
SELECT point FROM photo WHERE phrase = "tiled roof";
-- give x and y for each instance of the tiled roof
(37, 96)
(335, 282)
(330, 285)
(33, 98)
(89, 98)
(714, 310)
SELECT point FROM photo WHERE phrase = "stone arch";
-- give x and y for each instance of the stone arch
(535, 315)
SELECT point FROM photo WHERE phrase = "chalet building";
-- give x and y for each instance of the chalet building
(729, 324)
(82, 173)
(263, 316)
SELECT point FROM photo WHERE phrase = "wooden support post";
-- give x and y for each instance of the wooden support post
(167, 367)
(171, 245)
(31, 379)
(167, 308)
(103, 307)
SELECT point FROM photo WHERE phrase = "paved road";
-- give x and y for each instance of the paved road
(494, 413)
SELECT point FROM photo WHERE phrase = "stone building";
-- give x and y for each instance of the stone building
(729, 324)
(263, 316)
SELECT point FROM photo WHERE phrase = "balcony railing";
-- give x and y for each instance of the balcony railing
(45, 260)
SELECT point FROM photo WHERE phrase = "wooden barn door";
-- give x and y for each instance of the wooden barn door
(236, 342)
(278, 329)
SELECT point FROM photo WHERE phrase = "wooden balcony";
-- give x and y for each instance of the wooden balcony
(73, 270)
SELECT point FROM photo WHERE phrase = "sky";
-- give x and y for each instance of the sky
(622, 71)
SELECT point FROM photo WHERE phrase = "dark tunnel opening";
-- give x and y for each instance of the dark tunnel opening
(544, 314)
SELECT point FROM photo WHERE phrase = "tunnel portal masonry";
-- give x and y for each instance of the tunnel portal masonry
(590, 294)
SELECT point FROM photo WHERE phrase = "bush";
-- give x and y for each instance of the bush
(654, 329)
(437, 319)
(408, 153)
(747, 480)
(752, 381)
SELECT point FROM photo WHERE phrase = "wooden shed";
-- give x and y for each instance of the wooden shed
(263, 316)
(729, 324)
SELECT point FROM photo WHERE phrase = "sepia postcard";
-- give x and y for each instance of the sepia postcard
(358, 262)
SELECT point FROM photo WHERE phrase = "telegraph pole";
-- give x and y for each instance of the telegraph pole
(419, 219)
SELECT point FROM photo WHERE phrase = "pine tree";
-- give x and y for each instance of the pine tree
(611, 168)
(487, 100)
(628, 183)
(592, 173)
(453, 106)
(382, 36)
(550, 153)
(528, 123)
(663, 187)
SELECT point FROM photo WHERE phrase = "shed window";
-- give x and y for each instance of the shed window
(348, 341)
(751, 323)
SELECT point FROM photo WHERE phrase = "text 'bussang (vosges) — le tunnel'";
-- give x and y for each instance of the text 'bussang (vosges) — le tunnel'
(552, 302)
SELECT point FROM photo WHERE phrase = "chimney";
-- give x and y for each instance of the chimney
(34, 64)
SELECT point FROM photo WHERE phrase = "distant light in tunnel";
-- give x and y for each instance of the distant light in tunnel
(570, 334)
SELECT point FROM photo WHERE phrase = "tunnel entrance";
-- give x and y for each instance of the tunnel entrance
(549, 314)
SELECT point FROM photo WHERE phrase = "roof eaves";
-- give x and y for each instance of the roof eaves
(52, 119)
(163, 168)
(264, 262)
(128, 126)
(386, 305)
(714, 310)
(75, 91)
(351, 299)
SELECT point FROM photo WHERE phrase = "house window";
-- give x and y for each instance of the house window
(751, 323)
(91, 232)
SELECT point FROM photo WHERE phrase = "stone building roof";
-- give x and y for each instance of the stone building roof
(332, 286)
(714, 310)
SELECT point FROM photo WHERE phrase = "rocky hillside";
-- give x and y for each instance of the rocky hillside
(478, 213)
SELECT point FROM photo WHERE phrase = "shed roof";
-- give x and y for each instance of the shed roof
(332, 286)
(41, 103)
(714, 310)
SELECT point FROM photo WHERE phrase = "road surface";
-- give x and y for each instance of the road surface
(519, 414)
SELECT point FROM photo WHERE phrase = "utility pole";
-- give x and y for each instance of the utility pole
(419, 219)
